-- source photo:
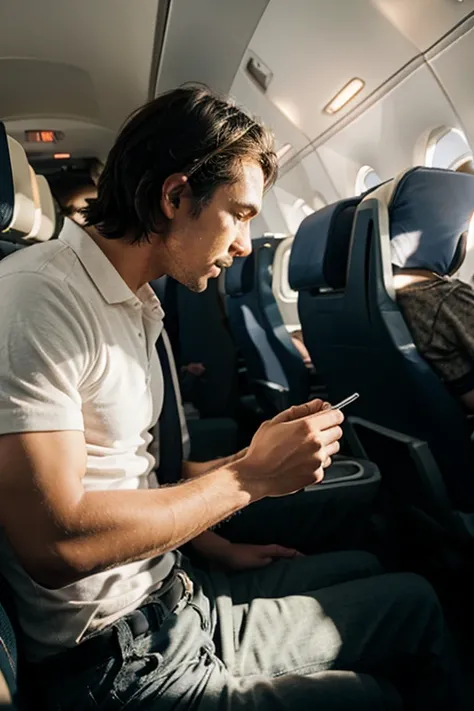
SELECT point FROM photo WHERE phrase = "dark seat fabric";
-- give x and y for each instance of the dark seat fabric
(276, 370)
(356, 333)
(7, 248)
(6, 182)
(197, 327)
(8, 654)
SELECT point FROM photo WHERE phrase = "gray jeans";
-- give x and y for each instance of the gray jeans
(327, 632)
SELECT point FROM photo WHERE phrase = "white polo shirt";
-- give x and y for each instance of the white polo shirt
(77, 352)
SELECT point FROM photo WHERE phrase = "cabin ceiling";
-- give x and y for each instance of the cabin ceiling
(314, 47)
(85, 66)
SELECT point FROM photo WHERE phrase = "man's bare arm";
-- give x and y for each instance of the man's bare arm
(62, 533)
(193, 469)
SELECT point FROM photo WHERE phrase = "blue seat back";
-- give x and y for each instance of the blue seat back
(205, 337)
(276, 369)
(197, 326)
(354, 330)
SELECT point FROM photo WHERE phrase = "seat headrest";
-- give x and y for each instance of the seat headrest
(430, 212)
(36, 197)
(48, 213)
(321, 247)
(24, 208)
(6, 182)
(240, 277)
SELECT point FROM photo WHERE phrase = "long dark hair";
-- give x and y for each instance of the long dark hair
(190, 130)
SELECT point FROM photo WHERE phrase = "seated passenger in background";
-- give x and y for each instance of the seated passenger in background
(72, 192)
(438, 308)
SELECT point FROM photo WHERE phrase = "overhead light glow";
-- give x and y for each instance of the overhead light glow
(344, 96)
(61, 156)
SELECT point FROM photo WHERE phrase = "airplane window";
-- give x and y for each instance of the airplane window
(287, 293)
(367, 178)
(447, 148)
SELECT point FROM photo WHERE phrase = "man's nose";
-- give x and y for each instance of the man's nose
(242, 245)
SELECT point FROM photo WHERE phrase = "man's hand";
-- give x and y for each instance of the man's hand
(239, 556)
(292, 450)
(246, 556)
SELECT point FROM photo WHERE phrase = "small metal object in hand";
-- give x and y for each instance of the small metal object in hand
(345, 402)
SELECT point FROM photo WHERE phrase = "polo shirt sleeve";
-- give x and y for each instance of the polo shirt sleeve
(44, 355)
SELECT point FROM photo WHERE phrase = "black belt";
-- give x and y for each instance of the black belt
(140, 621)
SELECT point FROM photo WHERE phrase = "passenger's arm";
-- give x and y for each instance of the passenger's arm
(62, 533)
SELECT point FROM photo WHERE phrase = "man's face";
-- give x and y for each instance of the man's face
(197, 249)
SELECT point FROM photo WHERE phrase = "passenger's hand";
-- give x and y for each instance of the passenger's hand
(247, 556)
(292, 450)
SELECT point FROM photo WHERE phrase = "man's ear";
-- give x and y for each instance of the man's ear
(171, 194)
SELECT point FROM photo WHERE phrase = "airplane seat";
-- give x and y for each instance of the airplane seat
(198, 334)
(358, 333)
(267, 378)
(7, 191)
(205, 338)
(47, 225)
(287, 300)
(24, 215)
(296, 372)
(317, 271)
(413, 481)
(277, 373)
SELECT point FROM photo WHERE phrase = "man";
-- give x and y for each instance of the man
(112, 616)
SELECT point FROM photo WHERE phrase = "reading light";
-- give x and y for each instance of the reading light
(347, 93)
(61, 156)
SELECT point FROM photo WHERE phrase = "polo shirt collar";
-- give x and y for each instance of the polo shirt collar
(100, 269)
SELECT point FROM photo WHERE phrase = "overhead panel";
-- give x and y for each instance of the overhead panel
(205, 41)
(314, 48)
